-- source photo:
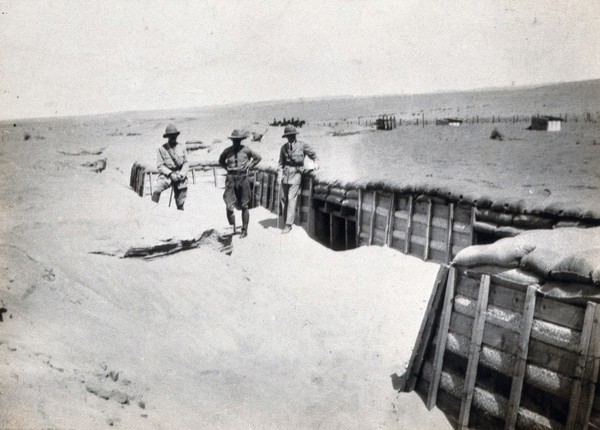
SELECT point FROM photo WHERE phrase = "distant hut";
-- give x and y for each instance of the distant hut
(454, 122)
(546, 123)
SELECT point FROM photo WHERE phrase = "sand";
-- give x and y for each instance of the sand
(282, 333)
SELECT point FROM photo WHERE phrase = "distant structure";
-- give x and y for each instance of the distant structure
(453, 122)
(386, 122)
(296, 122)
(545, 123)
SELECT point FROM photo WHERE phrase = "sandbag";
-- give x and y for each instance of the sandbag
(321, 189)
(337, 191)
(350, 203)
(506, 252)
(352, 194)
(334, 199)
(577, 267)
(494, 216)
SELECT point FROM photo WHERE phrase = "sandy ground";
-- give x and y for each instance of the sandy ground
(283, 333)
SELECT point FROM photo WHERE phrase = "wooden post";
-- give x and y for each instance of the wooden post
(389, 229)
(408, 224)
(474, 350)
(472, 232)
(253, 190)
(372, 223)
(331, 230)
(428, 230)
(426, 330)
(150, 181)
(520, 359)
(586, 372)
(438, 359)
(310, 213)
(193, 176)
(359, 217)
(450, 236)
(215, 176)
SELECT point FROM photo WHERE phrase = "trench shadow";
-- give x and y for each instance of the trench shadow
(268, 223)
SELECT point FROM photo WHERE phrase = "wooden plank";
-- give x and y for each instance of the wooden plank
(426, 330)
(273, 193)
(471, 233)
(372, 221)
(585, 343)
(390, 222)
(359, 217)
(260, 188)
(428, 231)
(409, 224)
(311, 211)
(331, 231)
(520, 359)
(438, 360)
(450, 235)
(474, 351)
(253, 190)
(546, 309)
(150, 181)
(590, 373)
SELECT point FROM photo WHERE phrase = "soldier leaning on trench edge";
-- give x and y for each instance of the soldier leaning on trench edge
(289, 173)
(172, 164)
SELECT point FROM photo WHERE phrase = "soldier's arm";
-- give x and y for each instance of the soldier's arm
(310, 152)
(222, 160)
(185, 167)
(160, 163)
(255, 159)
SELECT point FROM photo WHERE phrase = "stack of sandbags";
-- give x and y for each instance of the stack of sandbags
(567, 260)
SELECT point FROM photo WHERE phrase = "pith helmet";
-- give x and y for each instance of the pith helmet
(289, 130)
(237, 134)
(171, 129)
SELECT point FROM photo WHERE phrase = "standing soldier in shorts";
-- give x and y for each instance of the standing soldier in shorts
(173, 168)
(237, 160)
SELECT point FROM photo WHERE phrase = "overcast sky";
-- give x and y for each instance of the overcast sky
(65, 57)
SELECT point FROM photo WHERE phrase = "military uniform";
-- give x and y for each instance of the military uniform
(289, 173)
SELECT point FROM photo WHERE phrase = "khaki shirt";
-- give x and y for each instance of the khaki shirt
(291, 161)
(170, 159)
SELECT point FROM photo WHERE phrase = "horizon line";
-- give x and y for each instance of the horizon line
(302, 99)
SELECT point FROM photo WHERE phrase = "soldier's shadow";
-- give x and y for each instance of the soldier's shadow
(269, 223)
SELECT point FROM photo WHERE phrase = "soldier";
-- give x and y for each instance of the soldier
(289, 173)
(173, 168)
(237, 160)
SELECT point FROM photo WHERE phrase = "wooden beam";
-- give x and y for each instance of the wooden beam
(253, 190)
(438, 359)
(150, 181)
(520, 365)
(428, 230)
(471, 233)
(450, 236)
(586, 373)
(372, 223)
(474, 350)
(272, 194)
(311, 211)
(426, 330)
(359, 217)
(331, 230)
(409, 224)
(389, 237)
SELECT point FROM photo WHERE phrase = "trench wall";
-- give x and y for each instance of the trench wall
(493, 352)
